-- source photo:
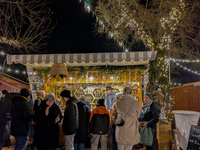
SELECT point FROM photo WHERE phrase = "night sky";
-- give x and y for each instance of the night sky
(75, 33)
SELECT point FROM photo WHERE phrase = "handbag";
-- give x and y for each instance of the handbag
(120, 121)
(146, 136)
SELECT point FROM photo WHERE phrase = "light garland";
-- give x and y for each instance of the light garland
(88, 8)
(13, 71)
(10, 42)
(187, 69)
(184, 60)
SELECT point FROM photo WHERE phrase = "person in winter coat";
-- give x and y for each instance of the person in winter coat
(46, 117)
(128, 109)
(99, 125)
(3, 121)
(84, 116)
(109, 98)
(113, 117)
(71, 119)
(40, 97)
(149, 115)
(21, 119)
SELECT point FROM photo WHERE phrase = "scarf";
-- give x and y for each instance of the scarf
(41, 98)
(26, 98)
(146, 106)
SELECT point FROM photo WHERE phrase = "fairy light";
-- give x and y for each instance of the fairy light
(10, 42)
(185, 60)
(187, 69)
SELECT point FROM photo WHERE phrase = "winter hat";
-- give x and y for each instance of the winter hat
(4, 92)
(100, 102)
(65, 93)
(149, 95)
(24, 92)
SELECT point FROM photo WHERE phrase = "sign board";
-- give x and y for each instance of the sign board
(194, 138)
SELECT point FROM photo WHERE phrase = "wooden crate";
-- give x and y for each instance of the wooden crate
(164, 137)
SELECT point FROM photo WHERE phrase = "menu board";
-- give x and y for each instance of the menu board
(194, 138)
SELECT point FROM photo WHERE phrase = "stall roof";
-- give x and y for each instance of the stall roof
(84, 59)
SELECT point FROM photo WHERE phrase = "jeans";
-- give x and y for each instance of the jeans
(112, 135)
(21, 142)
(79, 146)
(150, 147)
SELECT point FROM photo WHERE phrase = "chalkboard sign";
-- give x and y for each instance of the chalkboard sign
(194, 138)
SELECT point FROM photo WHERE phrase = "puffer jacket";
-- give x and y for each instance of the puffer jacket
(84, 115)
(21, 117)
(99, 120)
(71, 117)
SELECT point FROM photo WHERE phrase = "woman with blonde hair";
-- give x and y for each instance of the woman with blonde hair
(127, 108)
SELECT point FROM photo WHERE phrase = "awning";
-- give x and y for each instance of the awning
(84, 59)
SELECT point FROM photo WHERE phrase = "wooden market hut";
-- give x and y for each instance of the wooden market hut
(90, 73)
(94, 81)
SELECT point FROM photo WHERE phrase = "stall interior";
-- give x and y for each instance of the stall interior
(92, 84)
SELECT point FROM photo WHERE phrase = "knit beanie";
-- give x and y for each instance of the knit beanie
(65, 93)
(149, 95)
(100, 102)
(24, 92)
(4, 92)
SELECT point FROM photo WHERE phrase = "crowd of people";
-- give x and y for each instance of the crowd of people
(78, 122)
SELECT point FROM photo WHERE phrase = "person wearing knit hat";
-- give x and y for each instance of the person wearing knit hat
(25, 92)
(4, 92)
(22, 116)
(71, 119)
(149, 115)
(99, 125)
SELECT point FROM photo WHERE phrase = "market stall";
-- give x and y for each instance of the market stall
(88, 73)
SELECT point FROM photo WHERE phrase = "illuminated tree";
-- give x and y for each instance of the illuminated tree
(25, 24)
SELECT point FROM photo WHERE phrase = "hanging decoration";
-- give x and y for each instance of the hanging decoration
(58, 71)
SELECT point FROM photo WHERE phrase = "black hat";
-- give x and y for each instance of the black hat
(4, 92)
(65, 93)
(108, 88)
(24, 92)
(149, 95)
(100, 102)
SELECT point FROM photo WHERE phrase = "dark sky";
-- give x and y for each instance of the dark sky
(75, 31)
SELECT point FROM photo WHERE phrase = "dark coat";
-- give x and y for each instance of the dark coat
(46, 130)
(99, 120)
(84, 116)
(71, 118)
(21, 117)
(37, 103)
(151, 117)
(3, 120)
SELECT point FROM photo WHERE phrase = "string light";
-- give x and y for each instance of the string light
(88, 8)
(10, 42)
(187, 69)
(185, 60)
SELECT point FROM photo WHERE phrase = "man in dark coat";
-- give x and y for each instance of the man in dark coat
(21, 119)
(3, 121)
(71, 119)
(82, 132)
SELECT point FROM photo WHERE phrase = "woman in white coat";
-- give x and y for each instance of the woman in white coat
(128, 109)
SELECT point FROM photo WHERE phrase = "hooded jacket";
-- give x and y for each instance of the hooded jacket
(21, 117)
(71, 118)
(84, 115)
(99, 120)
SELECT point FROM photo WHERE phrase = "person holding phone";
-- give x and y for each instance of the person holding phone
(46, 118)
